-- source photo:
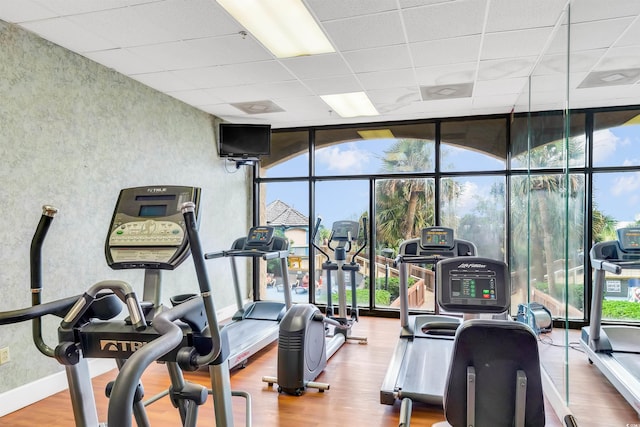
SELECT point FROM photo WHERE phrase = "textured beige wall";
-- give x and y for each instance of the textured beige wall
(72, 134)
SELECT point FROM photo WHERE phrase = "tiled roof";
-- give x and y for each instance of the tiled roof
(281, 214)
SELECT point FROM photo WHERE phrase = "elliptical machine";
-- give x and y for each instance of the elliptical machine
(307, 338)
(152, 228)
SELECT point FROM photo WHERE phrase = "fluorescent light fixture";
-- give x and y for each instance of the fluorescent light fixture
(376, 134)
(285, 27)
(352, 104)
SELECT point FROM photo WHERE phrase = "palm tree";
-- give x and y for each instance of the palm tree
(405, 206)
(551, 197)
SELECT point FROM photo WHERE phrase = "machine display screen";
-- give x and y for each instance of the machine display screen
(261, 235)
(437, 237)
(483, 288)
(629, 238)
(152, 211)
(345, 230)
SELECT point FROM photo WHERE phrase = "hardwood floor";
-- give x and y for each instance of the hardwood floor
(592, 398)
(355, 374)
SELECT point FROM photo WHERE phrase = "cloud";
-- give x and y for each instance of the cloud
(628, 183)
(343, 159)
(605, 144)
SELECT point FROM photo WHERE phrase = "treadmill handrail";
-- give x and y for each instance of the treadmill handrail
(253, 253)
(613, 265)
(419, 259)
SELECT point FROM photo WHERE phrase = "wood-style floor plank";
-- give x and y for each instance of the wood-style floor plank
(355, 374)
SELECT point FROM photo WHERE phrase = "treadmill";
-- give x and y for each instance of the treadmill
(614, 349)
(419, 365)
(257, 324)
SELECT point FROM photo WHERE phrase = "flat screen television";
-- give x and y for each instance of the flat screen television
(244, 141)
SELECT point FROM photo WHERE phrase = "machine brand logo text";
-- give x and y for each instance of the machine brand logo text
(118, 345)
(156, 190)
(471, 265)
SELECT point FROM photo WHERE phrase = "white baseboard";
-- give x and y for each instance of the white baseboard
(35, 391)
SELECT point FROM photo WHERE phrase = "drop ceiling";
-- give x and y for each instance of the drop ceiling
(413, 58)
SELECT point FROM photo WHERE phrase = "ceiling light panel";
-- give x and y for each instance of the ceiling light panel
(354, 104)
(286, 28)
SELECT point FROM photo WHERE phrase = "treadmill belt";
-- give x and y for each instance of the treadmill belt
(427, 366)
(630, 361)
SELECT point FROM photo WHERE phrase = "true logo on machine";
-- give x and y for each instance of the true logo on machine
(157, 190)
(117, 345)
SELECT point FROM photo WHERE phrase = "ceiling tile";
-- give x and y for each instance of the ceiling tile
(598, 34)
(619, 58)
(507, 15)
(328, 10)
(445, 74)
(125, 27)
(77, 7)
(448, 51)
(316, 66)
(632, 35)
(189, 19)
(488, 88)
(379, 59)
(253, 92)
(170, 56)
(165, 81)
(388, 79)
(25, 10)
(435, 22)
(196, 97)
(64, 32)
(367, 31)
(229, 49)
(334, 84)
(514, 43)
(593, 10)
(506, 68)
(124, 61)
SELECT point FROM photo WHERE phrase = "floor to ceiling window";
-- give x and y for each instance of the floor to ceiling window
(616, 201)
(498, 182)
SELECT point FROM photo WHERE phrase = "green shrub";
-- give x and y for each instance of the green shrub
(623, 310)
(362, 296)
(393, 286)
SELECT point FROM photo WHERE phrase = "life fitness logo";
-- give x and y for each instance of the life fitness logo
(468, 265)
(121, 346)
(157, 190)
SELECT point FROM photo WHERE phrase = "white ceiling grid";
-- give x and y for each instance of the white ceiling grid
(391, 49)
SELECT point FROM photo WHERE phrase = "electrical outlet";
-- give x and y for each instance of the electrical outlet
(4, 355)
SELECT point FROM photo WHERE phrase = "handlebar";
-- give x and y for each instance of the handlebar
(35, 259)
(56, 308)
(123, 392)
(364, 244)
(418, 259)
(188, 211)
(266, 255)
(600, 264)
